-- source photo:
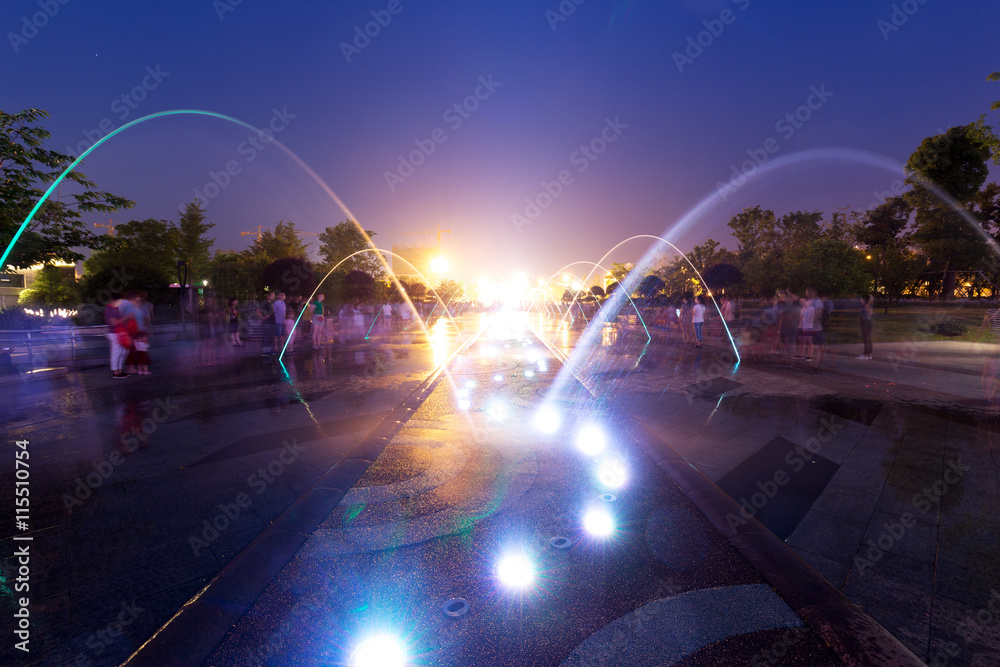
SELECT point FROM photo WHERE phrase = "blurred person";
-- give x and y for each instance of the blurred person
(140, 348)
(991, 363)
(404, 315)
(115, 320)
(698, 318)
(290, 314)
(280, 307)
(234, 322)
(867, 312)
(789, 326)
(685, 320)
(807, 323)
(728, 317)
(318, 321)
(265, 311)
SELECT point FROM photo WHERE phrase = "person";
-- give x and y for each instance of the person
(115, 320)
(141, 353)
(698, 318)
(821, 320)
(991, 363)
(290, 313)
(790, 326)
(280, 307)
(404, 315)
(867, 311)
(807, 316)
(265, 311)
(318, 321)
(728, 317)
(685, 320)
(234, 322)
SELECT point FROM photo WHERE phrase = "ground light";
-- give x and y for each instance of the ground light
(379, 651)
(547, 420)
(612, 473)
(591, 440)
(515, 571)
(598, 522)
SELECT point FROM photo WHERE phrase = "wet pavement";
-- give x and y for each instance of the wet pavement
(880, 474)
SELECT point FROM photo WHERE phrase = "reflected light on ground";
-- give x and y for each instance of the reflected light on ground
(612, 473)
(515, 571)
(591, 440)
(547, 420)
(598, 522)
(438, 339)
(497, 411)
(379, 651)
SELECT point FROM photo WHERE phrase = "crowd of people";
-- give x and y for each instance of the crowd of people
(793, 326)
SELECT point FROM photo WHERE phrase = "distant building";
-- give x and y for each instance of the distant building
(12, 284)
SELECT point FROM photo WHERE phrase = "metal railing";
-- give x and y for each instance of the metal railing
(50, 344)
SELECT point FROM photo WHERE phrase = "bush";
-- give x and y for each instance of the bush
(949, 328)
(14, 318)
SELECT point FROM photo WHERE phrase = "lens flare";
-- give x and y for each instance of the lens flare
(598, 522)
(591, 440)
(547, 420)
(379, 651)
(516, 571)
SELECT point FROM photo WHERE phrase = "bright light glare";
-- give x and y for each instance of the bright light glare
(497, 411)
(515, 571)
(498, 378)
(464, 404)
(379, 651)
(598, 522)
(529, 373)
(591, 440)
(439, 265)
(547, 420)
(612, 473)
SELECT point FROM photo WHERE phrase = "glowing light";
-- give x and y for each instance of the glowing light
(498, 378)
(591, 440)
(516, 571)
(470, 384)
(379, 651)
(497, 411)
(543, 366)
(598, 522)
(547, 420)
(439, 265)
(612, 473)
(529, 373)
(464, 404)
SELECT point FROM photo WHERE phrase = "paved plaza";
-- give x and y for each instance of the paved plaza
(741, 513)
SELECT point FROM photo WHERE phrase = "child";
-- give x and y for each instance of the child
(141, 342)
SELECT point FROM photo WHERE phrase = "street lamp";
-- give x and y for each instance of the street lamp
(439, 265)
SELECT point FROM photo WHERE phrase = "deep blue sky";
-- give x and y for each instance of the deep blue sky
(607, 60)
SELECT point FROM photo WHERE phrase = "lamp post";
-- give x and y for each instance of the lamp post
(182, 274)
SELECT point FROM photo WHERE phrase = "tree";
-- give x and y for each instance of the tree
(449, 290)
(236, 274)
(346, 238)
(52, 287)
(291, 275)
(650, 287)
(415, 290)
(25, 167)
(597, 291)
(955, 162)
(192, 244)
(831, 266)
(358, 287)
(759, 253)
(890, 260)
(721, 276)
(151, 242)
(982, 130)
(678, 275)
(282, 242)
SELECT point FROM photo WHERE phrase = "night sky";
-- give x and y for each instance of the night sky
(617, 99)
